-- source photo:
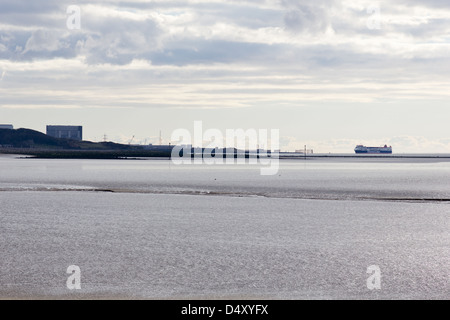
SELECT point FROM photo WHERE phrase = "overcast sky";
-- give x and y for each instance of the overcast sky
(329, 74)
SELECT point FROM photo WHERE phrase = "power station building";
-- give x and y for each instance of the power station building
(6, 126)
(66, 132)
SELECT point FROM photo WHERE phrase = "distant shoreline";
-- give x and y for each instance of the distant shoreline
(84, 154)
(160, 155)
(364, 156)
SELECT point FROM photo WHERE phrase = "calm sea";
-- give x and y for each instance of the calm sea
(150, 229)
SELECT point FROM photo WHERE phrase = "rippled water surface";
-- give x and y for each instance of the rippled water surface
(149, 229)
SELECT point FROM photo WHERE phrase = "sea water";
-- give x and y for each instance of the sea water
(150, 229)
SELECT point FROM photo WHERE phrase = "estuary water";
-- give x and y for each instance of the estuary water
(150, 229)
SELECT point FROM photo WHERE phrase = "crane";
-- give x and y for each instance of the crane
(131, 140)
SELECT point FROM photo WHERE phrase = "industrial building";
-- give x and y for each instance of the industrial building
(66, 132)
(6, 126)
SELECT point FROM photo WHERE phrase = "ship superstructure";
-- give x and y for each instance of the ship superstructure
(373, 150)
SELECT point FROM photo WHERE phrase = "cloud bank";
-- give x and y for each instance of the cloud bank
(297, 58)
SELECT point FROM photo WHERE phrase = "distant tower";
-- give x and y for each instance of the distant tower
(160, 138)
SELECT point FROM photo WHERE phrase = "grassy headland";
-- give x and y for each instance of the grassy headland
(36, 144)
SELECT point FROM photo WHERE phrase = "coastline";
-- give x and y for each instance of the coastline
(164, 155)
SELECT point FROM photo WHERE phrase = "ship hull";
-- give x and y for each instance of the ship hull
(373, 150)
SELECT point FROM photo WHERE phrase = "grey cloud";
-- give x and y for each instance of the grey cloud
(33, 14)
(120, 40)
(38, 44)
(13, 44)
(307, 16)
(115, 40)
(213, 51)
(242, 14)
(8, 7)
(432, 28)
(426, 3)
(304, 19)
(43, 40)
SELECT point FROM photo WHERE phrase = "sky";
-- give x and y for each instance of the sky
(326, 74)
